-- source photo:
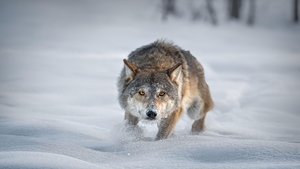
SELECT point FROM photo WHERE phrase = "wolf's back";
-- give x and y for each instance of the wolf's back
(161, 55)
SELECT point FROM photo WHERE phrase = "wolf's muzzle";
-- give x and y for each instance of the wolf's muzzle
(151, 115)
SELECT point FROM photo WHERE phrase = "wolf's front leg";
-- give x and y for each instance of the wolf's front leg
(132, 120)
(198, 125)
(167, 124)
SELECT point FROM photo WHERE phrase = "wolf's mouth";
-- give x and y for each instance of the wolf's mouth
(151, 118)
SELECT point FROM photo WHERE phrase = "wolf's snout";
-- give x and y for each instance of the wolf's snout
(151, 115)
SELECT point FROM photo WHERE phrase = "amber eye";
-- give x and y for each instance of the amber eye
(141, 93)
(161, 93)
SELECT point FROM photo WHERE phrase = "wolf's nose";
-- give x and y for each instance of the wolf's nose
(151, 114)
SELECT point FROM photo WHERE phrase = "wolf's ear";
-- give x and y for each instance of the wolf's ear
(130, 69)
(175, 72)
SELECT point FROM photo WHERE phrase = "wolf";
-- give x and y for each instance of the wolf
(159, 82)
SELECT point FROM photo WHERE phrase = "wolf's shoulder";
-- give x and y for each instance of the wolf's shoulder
(159, 47)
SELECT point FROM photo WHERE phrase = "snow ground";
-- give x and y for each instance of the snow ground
(59, 62)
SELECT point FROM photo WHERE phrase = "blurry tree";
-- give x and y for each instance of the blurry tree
(296, 11)
(251, 15)
(169, 7)
(234, 7)
(205, 10)
(211, 11)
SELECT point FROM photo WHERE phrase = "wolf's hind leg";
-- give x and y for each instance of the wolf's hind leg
(132, 120)
(167, 124)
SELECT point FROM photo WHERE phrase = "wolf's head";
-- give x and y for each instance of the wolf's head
(151, 94)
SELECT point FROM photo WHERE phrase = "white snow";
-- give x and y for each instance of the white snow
(59, 63)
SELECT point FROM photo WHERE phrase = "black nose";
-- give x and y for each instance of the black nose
(151, 114)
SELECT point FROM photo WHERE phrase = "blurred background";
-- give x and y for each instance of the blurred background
(99, 26)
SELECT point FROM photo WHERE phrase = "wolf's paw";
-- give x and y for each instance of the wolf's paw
(196, 132)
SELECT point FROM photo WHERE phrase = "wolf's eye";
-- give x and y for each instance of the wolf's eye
(161, 93)
(141, 93)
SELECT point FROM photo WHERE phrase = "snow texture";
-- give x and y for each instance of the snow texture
(60, 60)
